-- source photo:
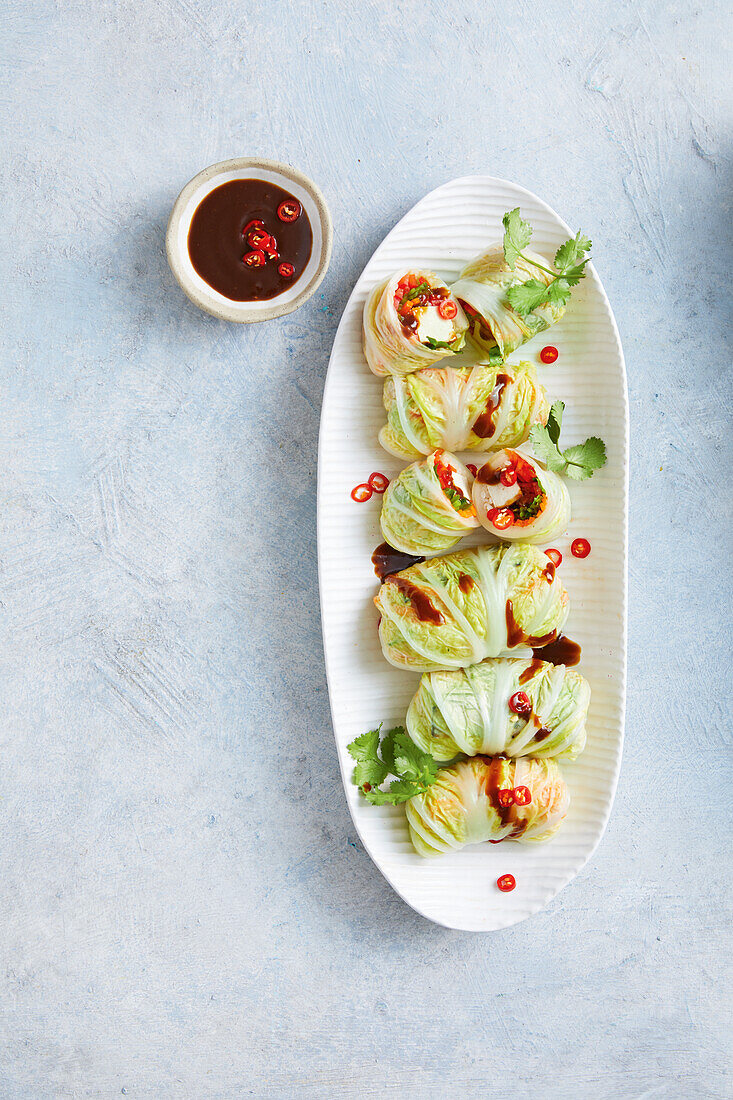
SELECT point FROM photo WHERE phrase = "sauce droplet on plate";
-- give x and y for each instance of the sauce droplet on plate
(386, 560)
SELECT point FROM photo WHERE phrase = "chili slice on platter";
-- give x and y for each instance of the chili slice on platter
(361, 493)
(549, 354)
(580, 548)
(554, 555)
(471, 468)
(506, 883)
(378, 482)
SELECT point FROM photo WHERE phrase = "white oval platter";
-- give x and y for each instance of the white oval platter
(440, 233)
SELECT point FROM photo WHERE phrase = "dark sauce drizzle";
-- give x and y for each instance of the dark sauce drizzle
(484, 426)
(386, 560)
(562, 651)
(422, 605)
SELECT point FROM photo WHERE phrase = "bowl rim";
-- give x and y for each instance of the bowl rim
(179, 265)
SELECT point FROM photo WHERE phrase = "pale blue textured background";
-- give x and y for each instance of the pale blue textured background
(185, 910)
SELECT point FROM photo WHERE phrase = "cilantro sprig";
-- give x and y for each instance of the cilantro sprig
(578, 461)
(396, 755)
(567, 271)
(454, 345)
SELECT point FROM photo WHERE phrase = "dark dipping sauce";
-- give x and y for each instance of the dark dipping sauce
(216, 244)
(386, 560)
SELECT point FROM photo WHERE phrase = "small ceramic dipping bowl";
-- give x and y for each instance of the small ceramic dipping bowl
(290, 180)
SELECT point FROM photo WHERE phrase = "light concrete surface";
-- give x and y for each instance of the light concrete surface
(185, 909)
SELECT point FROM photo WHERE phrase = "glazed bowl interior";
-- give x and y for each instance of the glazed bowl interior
(198, 290)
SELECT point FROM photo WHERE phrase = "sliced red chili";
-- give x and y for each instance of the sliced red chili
(378, 482)
(254, 259)
(521, 704)
(472, 469)
(361, 493)
(289, 210)
(270, 247)
(501, 518)
(286, 270)
(505, 797)
(580, 548)
(447, 309)
(554, 555)
(506, 883)
(508, 476)
(549, 354)
(257, 237)
(256, 223)
(522, 796)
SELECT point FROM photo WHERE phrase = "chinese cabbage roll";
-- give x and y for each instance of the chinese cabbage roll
(458, 610)
(411, 321)
(467, 710)
(463, 805)
(515, 497)
(473, 408)
(427, 508)
(481, 290)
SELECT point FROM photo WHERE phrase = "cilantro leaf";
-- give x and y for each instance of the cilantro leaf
(524, 297)
(584, 458)
(546, 449)
(436, 344)
(398, 755)
(578, 461)
(554, 420)
(364, 748)
(517, 235)
(572, 252)
(567, 270)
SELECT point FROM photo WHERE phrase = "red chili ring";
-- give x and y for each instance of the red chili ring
(580, 548)
(447, 309)
(254, 258)
(361, 493)
(506, 883)
(505, 797)
(471, 468)
(522, 796)
(256, 223)
(521, 704)
(289, 210)
(555, 556)
(508, 476)
(549, 354)
(286, 270)
(378, 482)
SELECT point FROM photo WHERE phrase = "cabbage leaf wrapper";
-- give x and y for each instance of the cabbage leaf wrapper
(462, 806)
(427, 508)
(481, 289)
(458, 610)
(483, 407)
(467, 711)
(536, 504)
(399, 346)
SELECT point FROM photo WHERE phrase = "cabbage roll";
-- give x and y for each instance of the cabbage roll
(460, 609)
(468, 710)
(517, 498)
(473, 408)
(411, 321)
(428, 508)
(481, 290)
(467, 804)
